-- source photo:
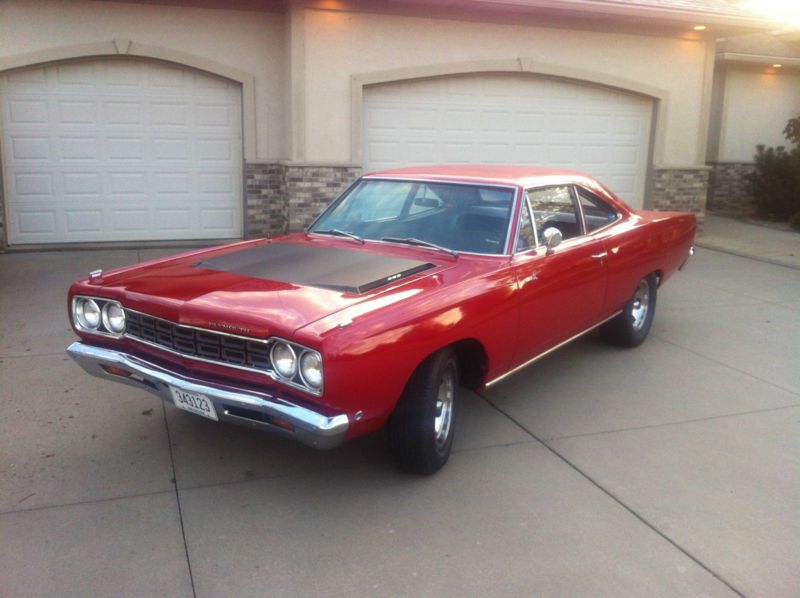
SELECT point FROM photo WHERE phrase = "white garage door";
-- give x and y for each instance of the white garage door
(511, 119)
(120, 150)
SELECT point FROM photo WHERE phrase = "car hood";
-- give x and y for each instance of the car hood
(267, 288)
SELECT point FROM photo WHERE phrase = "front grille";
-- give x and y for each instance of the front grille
(203, 344)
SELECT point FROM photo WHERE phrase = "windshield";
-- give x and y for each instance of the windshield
(467, 218)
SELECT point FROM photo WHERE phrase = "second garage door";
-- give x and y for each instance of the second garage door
(120, 150)
(511, 119)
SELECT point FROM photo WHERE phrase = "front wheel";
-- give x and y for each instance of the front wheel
(630, 328)
(423, 423)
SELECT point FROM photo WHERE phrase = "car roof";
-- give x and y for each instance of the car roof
(487, 173)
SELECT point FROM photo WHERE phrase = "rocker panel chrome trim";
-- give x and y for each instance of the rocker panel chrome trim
(550, 350)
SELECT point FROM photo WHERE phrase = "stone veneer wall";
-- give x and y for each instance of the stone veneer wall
(729, 191)
(309, 190)
(682, 190)
(265, 206)
(286, 197)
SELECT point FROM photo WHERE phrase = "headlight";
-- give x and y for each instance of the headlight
(283, 359)
(311, 368)
(114, 318)
(104, 317)
(87, 314)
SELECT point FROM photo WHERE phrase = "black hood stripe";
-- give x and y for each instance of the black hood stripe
(341, 270)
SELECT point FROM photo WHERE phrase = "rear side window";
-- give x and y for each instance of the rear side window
(597, 213)
(555, 207)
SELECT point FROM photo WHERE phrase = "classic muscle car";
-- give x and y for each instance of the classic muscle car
(412, 284)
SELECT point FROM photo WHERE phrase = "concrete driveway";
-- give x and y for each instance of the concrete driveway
(668, 470)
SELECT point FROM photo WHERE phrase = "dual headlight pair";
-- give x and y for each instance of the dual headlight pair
(100, 316)
(288, 366)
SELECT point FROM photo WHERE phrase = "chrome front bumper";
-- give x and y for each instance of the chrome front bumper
(243, 407)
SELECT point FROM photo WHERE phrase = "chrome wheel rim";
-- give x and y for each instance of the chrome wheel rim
(641, 304)
(444, 408)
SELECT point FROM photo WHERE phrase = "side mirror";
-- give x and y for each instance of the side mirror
(552, 238)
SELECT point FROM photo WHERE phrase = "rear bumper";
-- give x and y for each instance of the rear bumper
(690, 254)
(235, 405)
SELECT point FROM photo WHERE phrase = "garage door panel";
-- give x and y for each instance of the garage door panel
(460, 120)
(496, 121)
(32, 184)
(75, 112)
(421, 152)
(78, 149)
(214, 115)
(171, 149)
(214, 151)
(123, 113)
(26, 148)
(37, 222)
(27, 111)
(122, 74)
(82, 184)
(119, 150)
(174, 220)
(215, 219)
(215, 183)
(75, 75)
(495, 118)
(83, 221)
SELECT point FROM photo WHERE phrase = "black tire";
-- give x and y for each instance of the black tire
(422, 425)
(630, 328)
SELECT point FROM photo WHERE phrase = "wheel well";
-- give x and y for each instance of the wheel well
(659, 277)
(472, 361)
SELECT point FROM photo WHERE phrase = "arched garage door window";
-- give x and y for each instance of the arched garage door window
(120, 149)
(506, 118)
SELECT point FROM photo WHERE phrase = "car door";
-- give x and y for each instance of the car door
(561, 292)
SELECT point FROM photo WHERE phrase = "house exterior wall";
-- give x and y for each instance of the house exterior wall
(340, 46)
(756, 103)
(751, 107)
(729, 189)
(303, 71)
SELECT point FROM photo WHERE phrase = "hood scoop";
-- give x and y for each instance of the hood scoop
(355, 272)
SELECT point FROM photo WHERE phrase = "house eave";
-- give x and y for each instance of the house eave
(757, 59)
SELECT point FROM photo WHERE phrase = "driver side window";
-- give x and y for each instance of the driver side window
(555, 207)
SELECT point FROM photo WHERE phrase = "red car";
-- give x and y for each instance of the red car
(413, 283)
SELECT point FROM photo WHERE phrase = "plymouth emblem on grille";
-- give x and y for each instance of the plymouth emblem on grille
(230, 327)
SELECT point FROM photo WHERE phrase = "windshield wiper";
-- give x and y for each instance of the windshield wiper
(339, 233)
(420, 243)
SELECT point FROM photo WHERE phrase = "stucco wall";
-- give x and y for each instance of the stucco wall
(756, 104)
(248, 41)
(340, 45)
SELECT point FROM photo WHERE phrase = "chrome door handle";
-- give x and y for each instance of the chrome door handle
(600, 256)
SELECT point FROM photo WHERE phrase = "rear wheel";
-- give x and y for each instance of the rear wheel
(630, 328)
(422, 425)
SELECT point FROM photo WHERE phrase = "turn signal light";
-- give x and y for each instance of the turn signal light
(115, 371)
(281, 423)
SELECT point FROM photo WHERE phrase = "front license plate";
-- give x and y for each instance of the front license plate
(193, 402)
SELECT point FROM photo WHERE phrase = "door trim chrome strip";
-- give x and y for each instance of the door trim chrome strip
(550, 350)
